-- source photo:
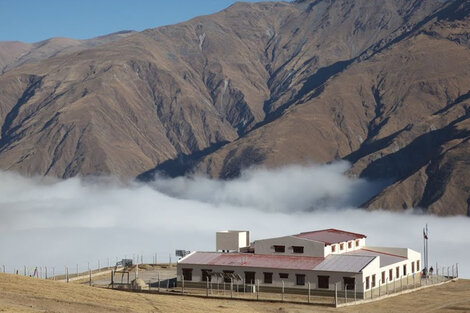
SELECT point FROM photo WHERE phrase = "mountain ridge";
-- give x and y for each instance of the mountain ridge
(381, 85)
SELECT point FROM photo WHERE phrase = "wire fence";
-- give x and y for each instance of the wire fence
(77, 271)
(341, 294)
(405, 284)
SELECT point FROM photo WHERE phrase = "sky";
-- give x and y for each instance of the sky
(33, 21)
(58, 223)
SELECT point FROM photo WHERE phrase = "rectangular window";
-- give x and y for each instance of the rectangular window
(357, 243)
(188, 274)
(417, 266)
(397, 274)
(349, 283)
(324, 282)
(206, 275)
(373, 281)
(268, 278)
(383, 277)
(298, 249)
(279, 248)
(250, 277)
(349, 245)
(228, 275)
(341, 246)
(412, 267)
(283, 275)
(390, 275)
(333, 248)
(404, 270)
(367, 282)
(300, 279)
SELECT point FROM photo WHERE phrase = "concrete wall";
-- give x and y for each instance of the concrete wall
(290, 282)
(232, 240)
(374, 268)
(311, 248)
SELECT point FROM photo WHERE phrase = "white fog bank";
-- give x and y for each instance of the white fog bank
(46, 222)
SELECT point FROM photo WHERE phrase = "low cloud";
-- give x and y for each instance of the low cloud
(76, 221)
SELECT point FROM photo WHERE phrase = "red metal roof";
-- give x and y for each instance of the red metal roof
(330, 236)
(253, 260)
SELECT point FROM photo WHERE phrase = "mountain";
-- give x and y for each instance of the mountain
(14, 53)
(381, 84)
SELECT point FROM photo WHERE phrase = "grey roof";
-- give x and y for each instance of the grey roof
(344, 263)
(385, 258)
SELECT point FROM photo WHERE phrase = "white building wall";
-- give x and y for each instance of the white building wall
(355, 245)
(374, 268)
(290, 282)
(311, 248)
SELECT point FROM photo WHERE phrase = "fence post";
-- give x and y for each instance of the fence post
(67, 274)
(282, 292)
(414, 284)
(355, 299)
(3, 266)
(112, 279)
(401, 284)
(380, 287)
(53, 273)
(46, 272)
(309, 292)
(386, 286)
(257, 289)
(89, 272)
(244, 286)
(207, 286)
(158, 277)
(182, 283)
(457, 269)
(453, 271)
(231, 288)
(336, 294)
(346, 293)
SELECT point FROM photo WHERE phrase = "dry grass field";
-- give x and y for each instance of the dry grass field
(23, 294)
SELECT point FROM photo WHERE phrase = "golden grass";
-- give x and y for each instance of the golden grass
(24, 294)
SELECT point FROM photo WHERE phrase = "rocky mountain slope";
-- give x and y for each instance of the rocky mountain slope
(382, 84)
(15, 53)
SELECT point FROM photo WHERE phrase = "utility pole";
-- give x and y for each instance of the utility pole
(426, 249)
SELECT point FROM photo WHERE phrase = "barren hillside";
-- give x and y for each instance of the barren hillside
(383, 85)
(21, 294)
